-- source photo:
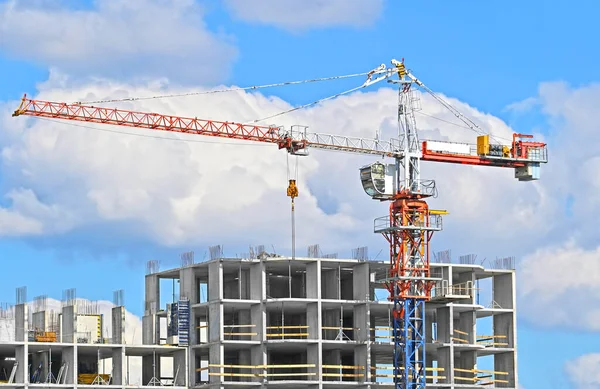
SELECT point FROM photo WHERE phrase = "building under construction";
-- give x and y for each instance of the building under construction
(68, 347)
(268, 320)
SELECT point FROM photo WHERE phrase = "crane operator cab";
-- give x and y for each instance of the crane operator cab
(377, 180)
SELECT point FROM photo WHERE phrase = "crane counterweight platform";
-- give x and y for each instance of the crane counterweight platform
(409, 225)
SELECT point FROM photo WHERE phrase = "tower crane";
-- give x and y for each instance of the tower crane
(410, 223)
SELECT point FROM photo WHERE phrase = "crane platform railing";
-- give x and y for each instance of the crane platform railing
(444, 289)
(375, 146)
(384, 223)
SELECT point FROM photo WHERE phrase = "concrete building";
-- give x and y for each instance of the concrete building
(269, 321)
(326, 322)
(67, 349)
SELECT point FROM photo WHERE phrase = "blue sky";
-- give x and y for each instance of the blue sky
(486, 54)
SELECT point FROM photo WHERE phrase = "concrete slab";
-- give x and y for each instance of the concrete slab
(487, 312)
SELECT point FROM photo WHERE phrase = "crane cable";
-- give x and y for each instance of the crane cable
(470, 124)
(458, 125)
(254, 87)
(454, 111)
(308, 105)
(292, 192)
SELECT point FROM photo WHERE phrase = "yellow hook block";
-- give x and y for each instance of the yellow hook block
(292, 190)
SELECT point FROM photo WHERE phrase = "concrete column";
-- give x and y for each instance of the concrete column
(180, 362)
(119, 365)
(39, 321)
(21, 322)
(118, 325)
(69, 324)
(150, 325)
(317, 274)
(21, 357)
(466, 323)
(360, 282)
(149, 329)
(258, 313)
(192, 366)
(506, 362)
(362, 321)
(246, 284)
(258, 317)
(215, 322)
(361, 358)
(216, 356)
(330, 284)
(258, 356)
(330, 318)
(313, 355)
(152, 294)
(504, 325)
(215, 281)
(312, 321)
(187, 285)
(503, 285)
(313, 284)
(69, 357)
(446, 362)
(258, 284)
(466, 360)
(444, 325)
(371, 373)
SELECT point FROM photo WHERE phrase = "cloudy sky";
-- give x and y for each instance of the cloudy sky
(86, 207)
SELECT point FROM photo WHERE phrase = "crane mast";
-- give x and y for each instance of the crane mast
(408, 233)
(410, 223)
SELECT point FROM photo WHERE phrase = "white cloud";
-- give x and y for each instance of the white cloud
(117, 38)
(297, 15)
(523, 105)
(584, 371)
(551, 276)
(566, 263)
(179, 193)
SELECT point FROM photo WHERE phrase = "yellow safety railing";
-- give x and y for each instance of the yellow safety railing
(340, 369)
(253, 371)
(474, 376)
(492, 340)
(376, 372)
(282, 332)
(459, 336)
